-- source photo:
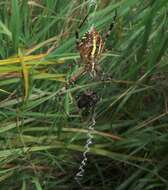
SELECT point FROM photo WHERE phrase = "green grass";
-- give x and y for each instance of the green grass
(42, 133)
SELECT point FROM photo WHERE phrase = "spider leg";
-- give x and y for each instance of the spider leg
(77, 37)
(79, 73)
(77, 30)
(107, 34)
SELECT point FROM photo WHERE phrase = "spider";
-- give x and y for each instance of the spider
(91, 46)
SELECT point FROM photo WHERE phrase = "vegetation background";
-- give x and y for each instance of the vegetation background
(43, 133)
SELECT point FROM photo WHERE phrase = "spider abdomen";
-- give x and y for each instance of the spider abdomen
(91, 47)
